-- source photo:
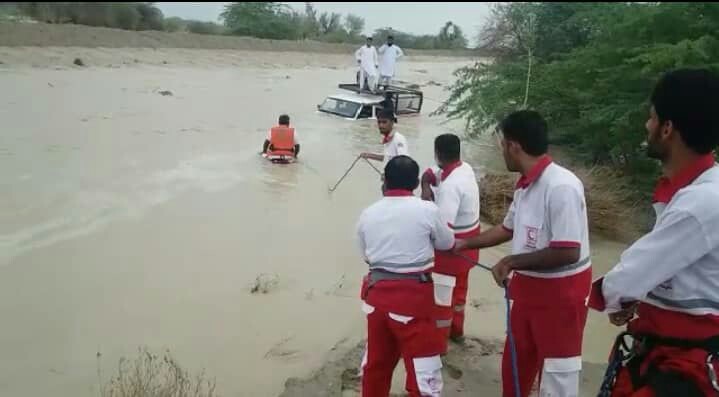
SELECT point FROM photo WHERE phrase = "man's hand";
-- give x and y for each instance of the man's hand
(459, 245)
(623, 316)
(502, 269)
(427, 193)
(365, 155)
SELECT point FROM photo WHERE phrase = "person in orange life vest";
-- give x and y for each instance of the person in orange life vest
(670, 277)
(394, 143)
(397, 237)
(453, 186)
(282, 139)
(550, 262)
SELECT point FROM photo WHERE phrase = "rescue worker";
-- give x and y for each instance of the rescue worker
(453, 187)
(670, 277)
(550, 262)
(397, 237)
(367, 60)
(389, 53)
(393, 142)
(282, 140)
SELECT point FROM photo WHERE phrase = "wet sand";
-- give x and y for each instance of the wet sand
(131, 218)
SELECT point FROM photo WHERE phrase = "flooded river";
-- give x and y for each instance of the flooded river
(130, 218)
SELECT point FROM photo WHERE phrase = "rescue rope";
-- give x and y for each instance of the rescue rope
(616, 360)
(508, 321)
(333, 188)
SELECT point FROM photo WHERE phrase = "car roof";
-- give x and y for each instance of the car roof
(358, 98)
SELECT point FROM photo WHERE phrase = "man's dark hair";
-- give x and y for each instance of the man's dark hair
(689, 98)
(386, 114)
(402, 172)
(284, 120)
(447, 147)
(527, 128)
(390, 37)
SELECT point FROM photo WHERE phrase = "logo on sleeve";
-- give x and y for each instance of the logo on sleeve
(531, 237)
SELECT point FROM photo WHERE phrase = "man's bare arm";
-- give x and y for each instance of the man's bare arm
(492, 237)
(545, 259)
(372, 156)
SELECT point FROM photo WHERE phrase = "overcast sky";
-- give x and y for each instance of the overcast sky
(418, 18)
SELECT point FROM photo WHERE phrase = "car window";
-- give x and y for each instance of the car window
(366, 112)
(340, 107)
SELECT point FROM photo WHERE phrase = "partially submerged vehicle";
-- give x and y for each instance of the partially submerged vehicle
(356, 104)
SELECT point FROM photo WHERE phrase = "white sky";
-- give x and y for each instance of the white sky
(417, 18)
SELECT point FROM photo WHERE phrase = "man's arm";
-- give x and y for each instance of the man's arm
(372, 156)
(265, 146)
(297, 150)
(492, 237)
(676, 243)
(442, 235)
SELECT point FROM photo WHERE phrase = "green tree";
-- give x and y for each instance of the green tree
(451, 36)
(330, 23)
(354, 25)
(593, 67)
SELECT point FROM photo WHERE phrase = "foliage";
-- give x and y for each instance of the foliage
(130, 16)
(594, 65)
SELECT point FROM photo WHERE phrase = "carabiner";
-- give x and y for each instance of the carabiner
(711, 372)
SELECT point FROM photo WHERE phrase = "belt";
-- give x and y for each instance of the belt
(376, 275)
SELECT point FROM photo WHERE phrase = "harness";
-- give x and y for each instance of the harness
(632, 356)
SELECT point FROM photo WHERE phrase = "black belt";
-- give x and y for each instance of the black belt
(376, 275)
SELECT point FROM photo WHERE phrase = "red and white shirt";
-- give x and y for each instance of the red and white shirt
(673, 270)
(394, 144)
(399, 234)
(549, 210)
(456, 193)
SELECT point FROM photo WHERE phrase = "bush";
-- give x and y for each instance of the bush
(175, 24)
(200, 27)
(150, 375)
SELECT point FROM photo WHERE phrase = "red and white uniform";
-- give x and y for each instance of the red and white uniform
(456, 193)
(674, 273)
(397, 237)
(394, 144)
(549, 307)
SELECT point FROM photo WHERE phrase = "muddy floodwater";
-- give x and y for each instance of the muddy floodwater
(131, 218)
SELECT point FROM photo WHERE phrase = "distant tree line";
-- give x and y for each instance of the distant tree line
(270, 20)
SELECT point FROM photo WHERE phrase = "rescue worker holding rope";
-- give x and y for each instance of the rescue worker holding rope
(397, 237)
(453, 186)
(666, 285)
(282, 140)
(550, 262)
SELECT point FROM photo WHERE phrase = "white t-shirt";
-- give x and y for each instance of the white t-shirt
(400, 234)
(388, 59)
(269, 136)
(395, 146)
(457, 197)
(550, 212)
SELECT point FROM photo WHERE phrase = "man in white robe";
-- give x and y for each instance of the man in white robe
(367, 60)
(389, 54)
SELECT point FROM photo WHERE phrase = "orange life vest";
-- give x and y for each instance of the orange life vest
(282, 141)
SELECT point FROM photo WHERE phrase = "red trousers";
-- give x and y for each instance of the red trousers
(418, 342)
(545, 336)
(688, 364)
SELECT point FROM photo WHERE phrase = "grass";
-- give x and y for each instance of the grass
(151, 375)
